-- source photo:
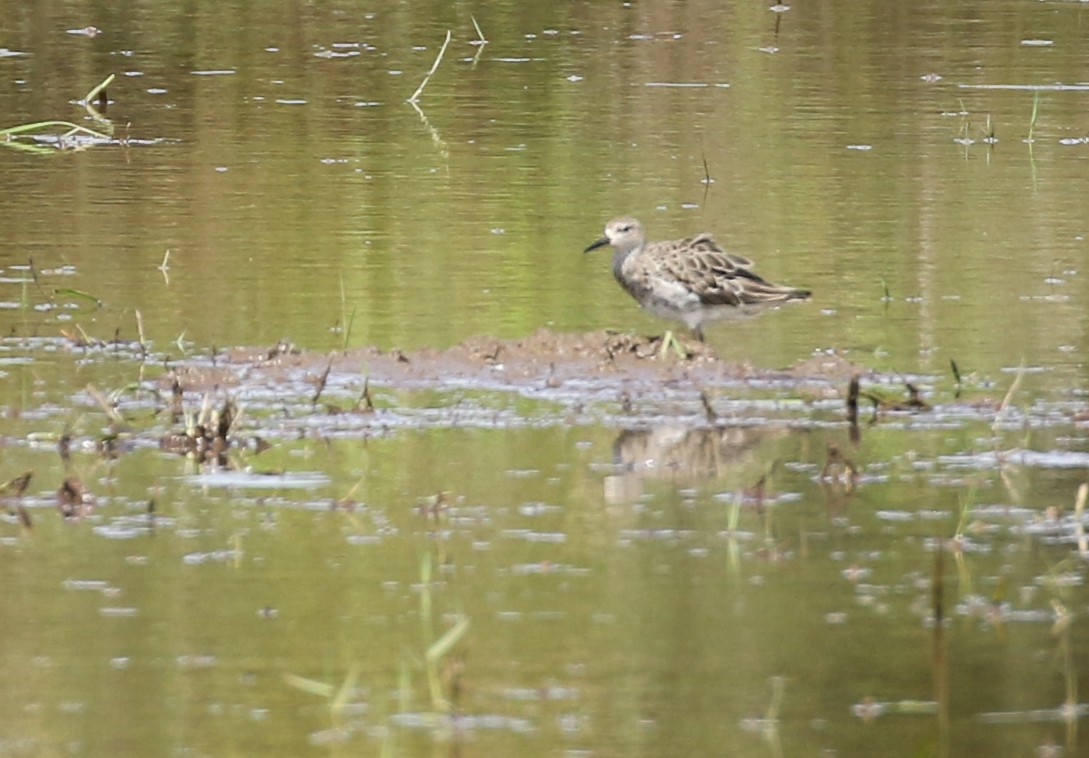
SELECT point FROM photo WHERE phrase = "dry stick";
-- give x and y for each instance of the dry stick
(480, 42)
(853, 432)
(34, 276)
(1079, 525)
(434, 67)
(322, 380)
(1009, 397)
(365, 404)
(164, 267)
(87, 341)
(108, 408)
(707, 180)
(140, 333)
(708, 409)
(480, 35)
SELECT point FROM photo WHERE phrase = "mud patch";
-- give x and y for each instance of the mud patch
(593, 360)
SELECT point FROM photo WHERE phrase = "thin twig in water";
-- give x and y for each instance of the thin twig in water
(1079, 526)
(708, 409)
(140, 333)
(322, 381)
(707, 180)
(1035, 113)
(365, 404)
(481, 39)
(1009, 397)
(90, 96)
(434, 67)
(346, 319)
(957, 377)
(480, 42)
(435, 136)
(87, 341)
(37, 283)
(164, 267)
(107, 407)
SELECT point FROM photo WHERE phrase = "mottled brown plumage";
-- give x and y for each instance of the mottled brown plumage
(690, 280)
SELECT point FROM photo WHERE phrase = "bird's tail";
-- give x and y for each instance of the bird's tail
(768, 293)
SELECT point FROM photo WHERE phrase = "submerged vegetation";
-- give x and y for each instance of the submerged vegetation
(45, 138)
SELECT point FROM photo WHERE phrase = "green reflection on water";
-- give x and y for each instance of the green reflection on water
(293, 173)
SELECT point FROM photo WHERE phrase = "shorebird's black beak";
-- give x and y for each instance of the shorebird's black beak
(600, 243)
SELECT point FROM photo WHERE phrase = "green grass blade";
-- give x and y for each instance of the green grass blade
(313, 686)
(443, 644)
(80, 294)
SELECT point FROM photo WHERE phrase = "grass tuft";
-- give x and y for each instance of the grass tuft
(9, 135)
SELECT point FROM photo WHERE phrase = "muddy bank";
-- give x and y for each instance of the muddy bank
(545, 359)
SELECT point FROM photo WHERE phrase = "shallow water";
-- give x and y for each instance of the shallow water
(638, 577)
(297, 192)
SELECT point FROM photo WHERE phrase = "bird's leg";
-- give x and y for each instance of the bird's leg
(669, 338)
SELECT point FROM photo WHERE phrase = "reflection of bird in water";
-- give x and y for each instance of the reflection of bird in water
(681, 454)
